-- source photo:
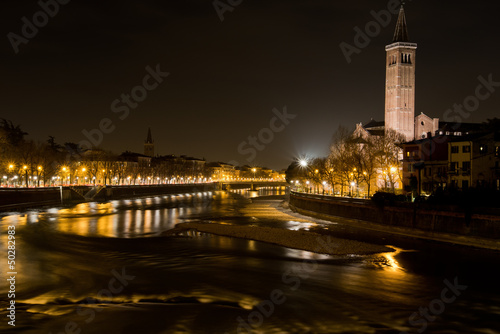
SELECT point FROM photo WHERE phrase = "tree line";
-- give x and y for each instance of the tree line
(357, 165)
(34, 163)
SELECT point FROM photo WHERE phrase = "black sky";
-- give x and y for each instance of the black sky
(226, 77)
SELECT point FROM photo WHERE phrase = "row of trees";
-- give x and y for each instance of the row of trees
(356, 165)
(31, 163)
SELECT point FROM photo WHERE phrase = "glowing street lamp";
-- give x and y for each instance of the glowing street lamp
(25, 168)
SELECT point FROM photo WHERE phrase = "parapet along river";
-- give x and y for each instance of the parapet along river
(124, 267)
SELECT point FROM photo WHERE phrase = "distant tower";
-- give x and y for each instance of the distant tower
(400, 81)
(149, 146)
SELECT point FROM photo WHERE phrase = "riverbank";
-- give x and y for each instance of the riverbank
(267, 228)
(451, 226)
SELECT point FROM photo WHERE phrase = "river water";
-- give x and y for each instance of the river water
(106, 268)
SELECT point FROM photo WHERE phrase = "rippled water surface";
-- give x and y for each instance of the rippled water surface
(105, 268)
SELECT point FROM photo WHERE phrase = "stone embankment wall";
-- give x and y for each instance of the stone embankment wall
(418, 217)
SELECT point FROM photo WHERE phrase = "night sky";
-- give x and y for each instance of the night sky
(227, 77)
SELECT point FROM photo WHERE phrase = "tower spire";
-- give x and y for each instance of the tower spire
(149, 146)
(401, 33)
(400, 81)
(149, 139)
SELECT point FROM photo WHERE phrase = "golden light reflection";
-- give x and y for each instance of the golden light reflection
(296, 225)
(391, 262)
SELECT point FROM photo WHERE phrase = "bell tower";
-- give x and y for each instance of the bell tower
(149, 145)
(400, 81)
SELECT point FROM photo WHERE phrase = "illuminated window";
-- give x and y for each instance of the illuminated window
(466, 149)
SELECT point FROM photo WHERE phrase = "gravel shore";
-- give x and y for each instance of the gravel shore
(297, 239)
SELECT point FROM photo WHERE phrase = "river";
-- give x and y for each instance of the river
(106, 268)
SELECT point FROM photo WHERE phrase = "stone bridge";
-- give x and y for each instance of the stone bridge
(254, 185)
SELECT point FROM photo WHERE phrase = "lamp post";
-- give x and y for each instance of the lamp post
(68, 178)
(39, 171)
(83, 174)
(393, 171)
(25, 168)
(11, 167)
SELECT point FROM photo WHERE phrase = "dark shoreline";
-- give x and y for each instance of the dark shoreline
(443, 226)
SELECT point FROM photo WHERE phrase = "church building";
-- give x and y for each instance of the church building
(149, 145)
(400, 91)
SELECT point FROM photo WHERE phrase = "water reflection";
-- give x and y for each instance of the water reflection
(296, 225)
(120, 218)
(227, 277)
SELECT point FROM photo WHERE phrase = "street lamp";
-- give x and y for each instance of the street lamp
(25, 168)
(39, 171)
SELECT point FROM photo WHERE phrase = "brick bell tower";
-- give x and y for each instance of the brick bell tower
(149, 145)
(400, 81)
